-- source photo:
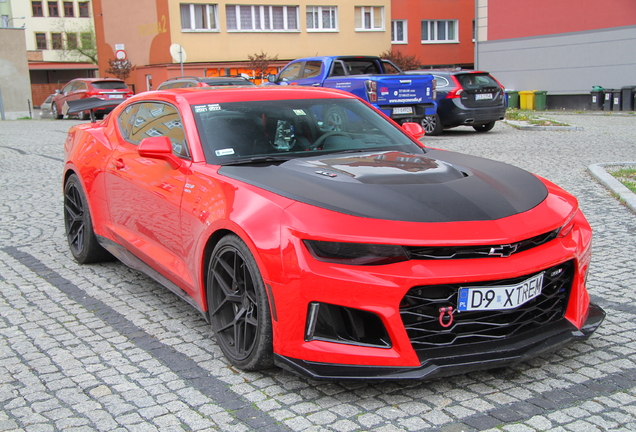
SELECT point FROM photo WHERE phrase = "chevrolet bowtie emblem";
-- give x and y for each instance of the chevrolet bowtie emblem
(503, 250)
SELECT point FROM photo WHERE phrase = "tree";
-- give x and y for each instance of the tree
(259, 63)
(120, 68)
(80, 42)
(404, 62)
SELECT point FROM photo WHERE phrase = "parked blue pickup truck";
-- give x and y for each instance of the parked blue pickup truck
(404, 98)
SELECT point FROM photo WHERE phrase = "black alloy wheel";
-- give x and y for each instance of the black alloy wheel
(79, 228)
(238, 306)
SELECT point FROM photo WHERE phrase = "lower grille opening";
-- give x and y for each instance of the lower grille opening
(341, 324)
(420, 311)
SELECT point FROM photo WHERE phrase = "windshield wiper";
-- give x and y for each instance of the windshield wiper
(257, 159)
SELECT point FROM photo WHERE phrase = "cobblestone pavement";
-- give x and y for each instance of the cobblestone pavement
(102, 347)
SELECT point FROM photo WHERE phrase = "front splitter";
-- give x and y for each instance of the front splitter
(447, 361)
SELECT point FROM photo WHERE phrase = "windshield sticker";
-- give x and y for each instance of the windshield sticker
(224, 152)
(200, 108)
(214, 107)
(299, 112)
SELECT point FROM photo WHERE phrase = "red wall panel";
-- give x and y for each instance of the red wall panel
(509, 19)
(414, 11)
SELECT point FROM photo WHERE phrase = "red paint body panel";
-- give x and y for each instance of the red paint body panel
(176, 213)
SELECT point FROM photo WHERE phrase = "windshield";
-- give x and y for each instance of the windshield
(283, 129)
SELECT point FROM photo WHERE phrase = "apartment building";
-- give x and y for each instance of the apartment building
(438, 32)
(52, 29)
(218, 38)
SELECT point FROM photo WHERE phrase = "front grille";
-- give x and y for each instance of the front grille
(485, 251)
(420, 310)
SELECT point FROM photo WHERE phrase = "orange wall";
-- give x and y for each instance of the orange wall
(436, 54)
(509, 19)
(144, 30)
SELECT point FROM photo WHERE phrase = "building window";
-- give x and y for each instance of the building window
(261, 18)
(369, 18)
(56, 41)
(199, 17)
(71, 41)
(87, 40)
(40, 41)
(439, 31)
(83, 9)
(398, 32)
(68, 9)
(54, 10)
(322, 18)
(36, 8)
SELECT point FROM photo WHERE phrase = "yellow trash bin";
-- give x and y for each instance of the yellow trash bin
(526, 100)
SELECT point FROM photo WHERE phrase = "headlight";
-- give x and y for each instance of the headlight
(355, 253)
(566, 228)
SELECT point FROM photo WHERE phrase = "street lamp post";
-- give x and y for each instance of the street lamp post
(11, 19)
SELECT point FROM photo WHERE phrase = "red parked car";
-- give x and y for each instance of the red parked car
(344, 250)
(82, 88)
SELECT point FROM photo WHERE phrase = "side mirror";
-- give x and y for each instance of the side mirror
(414, 129)
(271, 78)
(159, 148)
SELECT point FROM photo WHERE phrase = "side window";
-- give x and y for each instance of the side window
(441, 81)
(154, 119)
(312, 69)
(126, 119)
(291, 72)
(68, 87)
(80, 86)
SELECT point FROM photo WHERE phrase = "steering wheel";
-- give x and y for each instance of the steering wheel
(320, 141)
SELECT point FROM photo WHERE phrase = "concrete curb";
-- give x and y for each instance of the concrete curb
(529, 127)
(599, 172)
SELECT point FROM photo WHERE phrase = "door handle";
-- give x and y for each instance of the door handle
(119, 164)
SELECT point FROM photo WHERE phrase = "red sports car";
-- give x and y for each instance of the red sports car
(317, 235)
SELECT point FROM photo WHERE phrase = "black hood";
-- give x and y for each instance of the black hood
(436, 186)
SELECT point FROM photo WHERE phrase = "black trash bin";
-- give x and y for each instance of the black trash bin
(628, 98)
(607, 101)
(597, 98)
(617, 95)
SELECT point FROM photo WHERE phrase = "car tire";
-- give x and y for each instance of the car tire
(335, 118)
(79, 227)
(432, 125)
(55, 112)
(238, 305)
(484, 127)
(82, 115)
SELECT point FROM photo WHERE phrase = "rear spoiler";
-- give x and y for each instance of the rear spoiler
(93, 103)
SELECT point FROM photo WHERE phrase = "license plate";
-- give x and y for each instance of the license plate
(500, 297)
(483, 96)
(403, 110)
(115, 96)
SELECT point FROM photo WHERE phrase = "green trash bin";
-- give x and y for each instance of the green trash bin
(513, 98)
(540, 99)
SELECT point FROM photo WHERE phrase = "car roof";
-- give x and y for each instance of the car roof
(201, 95)
(96, 79)
(445, 71)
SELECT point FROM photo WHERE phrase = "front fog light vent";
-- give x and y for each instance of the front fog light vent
(341, 324)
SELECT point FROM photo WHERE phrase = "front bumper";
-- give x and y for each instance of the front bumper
(446, 361)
